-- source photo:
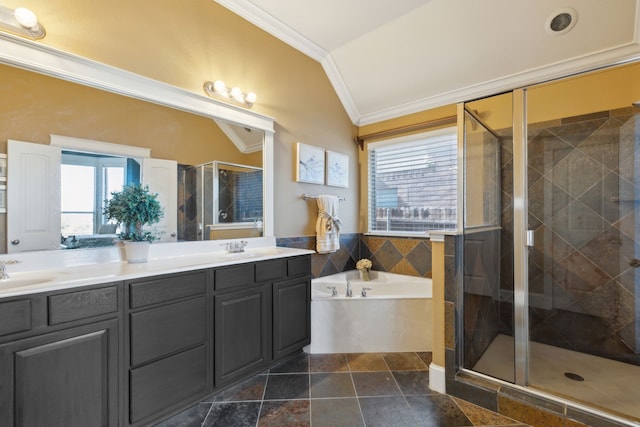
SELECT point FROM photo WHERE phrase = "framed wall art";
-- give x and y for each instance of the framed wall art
(337, 169)
(3, 199)
(3, 167)
(309, 164)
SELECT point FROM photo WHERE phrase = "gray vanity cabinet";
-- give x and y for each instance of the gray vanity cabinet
(242, 308)
(169, 343)
(59, 360)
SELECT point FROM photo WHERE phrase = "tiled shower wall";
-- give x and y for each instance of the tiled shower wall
(410, 256)
(584, 187)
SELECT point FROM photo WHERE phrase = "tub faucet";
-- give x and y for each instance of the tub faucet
(349, 291)
(364, 292)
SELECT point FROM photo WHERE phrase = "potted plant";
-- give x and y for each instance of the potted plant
(134, 208)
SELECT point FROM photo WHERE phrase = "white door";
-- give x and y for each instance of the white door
(162, 177)
(33, 196)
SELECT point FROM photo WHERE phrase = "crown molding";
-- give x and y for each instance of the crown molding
(240, 143)
(590, 62)
(273, 26)
(333, 73)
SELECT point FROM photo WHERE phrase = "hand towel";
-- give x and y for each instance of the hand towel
(327, 225)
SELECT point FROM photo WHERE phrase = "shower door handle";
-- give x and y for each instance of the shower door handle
(530, 240)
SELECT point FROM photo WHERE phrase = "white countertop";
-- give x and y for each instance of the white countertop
(54, 270)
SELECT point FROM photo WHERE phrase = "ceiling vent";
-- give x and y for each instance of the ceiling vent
(561, 21)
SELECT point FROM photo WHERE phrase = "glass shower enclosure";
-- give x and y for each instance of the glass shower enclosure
(551, 287)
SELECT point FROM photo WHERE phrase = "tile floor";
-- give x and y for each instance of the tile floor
(608, 384)
(365, 389)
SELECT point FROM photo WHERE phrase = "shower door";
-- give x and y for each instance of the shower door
(583, 185)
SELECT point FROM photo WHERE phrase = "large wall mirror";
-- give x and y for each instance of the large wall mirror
(46, 92)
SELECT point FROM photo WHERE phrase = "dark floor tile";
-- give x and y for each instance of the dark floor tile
(328, 363)
(193, 416)
(238, 414)
(483, 417)
(297, 364)
(388, 411)
(285, 413)
(251, 389)
(332, 385)
(336, 413)
(287, 386)
(375, 384)
(413, 382)
(404, 362)
(426, 356)
(366, 362)
(437, 410)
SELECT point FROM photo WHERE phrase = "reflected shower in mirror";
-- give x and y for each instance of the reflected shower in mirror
(222, 201)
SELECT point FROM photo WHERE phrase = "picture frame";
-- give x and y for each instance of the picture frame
(3, 199)
(3, 167)
(309, 164)
(337, 169)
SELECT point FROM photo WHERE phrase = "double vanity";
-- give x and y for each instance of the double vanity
(106, 343)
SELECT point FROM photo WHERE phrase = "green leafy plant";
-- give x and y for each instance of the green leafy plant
(133, 208)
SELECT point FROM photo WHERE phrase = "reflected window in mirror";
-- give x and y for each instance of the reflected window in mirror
(87, 181)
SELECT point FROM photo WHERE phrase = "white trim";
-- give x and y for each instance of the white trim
(614, 56)
(333, 73)
(240, 143)
(437, 378)
(52, 62)
(92, 146)
(275, 27)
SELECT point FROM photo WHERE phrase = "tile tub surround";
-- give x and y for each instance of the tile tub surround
(353, 389)
(402, 255)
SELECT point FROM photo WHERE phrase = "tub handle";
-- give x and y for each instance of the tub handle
(334, 292)
(364, 292)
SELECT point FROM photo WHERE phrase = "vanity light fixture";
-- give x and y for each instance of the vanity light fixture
(22, 22)
(219, 89)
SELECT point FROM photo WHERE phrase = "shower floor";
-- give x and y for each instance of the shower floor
(608, 384)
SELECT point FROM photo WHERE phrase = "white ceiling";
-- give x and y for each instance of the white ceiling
(390, 58)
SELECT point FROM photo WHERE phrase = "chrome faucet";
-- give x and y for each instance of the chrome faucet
(235, 247)
(334, 292)
(349, 291)
(363, 293)
(3, 267)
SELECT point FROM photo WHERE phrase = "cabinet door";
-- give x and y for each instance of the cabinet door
(291, 316)
(68, 378)
(242, 328)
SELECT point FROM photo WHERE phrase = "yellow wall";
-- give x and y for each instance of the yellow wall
(186, 43)
(35, 106)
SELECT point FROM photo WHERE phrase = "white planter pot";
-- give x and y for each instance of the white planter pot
(137, 252)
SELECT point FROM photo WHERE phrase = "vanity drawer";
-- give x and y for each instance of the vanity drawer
(82, 304)
(238, 275)
(299, 266)
(15, 316)
(157, 386)
(270, 270)
(167, 288)
(164, 330)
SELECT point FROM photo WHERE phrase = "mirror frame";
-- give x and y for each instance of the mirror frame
(52, 62)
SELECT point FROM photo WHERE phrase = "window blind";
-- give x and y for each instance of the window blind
(412, 183)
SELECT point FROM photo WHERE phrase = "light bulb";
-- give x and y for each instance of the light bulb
(236, 93)
(251, 98)
(220, 87)
(25, 17)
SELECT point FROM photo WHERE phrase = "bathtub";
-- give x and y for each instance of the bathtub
(395, 315)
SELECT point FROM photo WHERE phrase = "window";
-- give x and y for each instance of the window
(412, 183)
(86, 181)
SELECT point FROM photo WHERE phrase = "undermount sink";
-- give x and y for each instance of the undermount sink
(19, 282)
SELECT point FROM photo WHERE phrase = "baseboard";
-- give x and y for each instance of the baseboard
(437, 378)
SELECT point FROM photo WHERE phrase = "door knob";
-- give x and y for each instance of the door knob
(15, 242)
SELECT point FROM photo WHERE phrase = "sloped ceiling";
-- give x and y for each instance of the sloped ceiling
(391, 58)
